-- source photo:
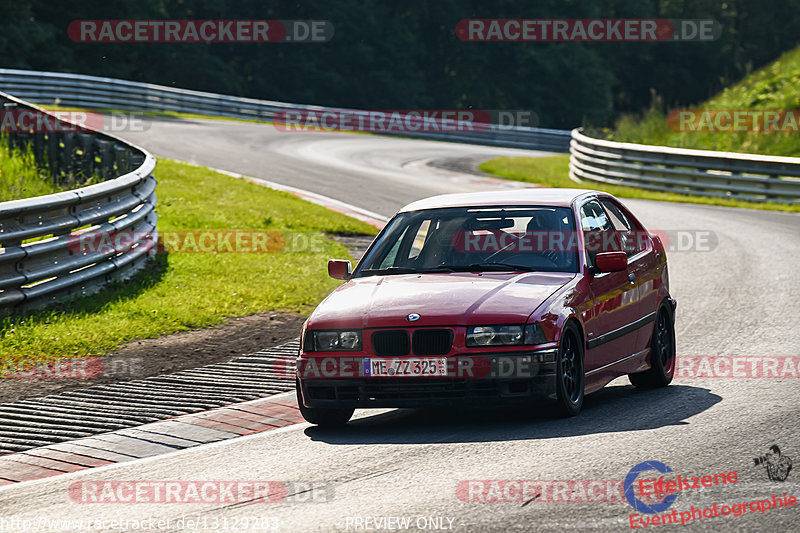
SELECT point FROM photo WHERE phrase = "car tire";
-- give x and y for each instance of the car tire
(322, 416)
(662, 353)
(570, 378)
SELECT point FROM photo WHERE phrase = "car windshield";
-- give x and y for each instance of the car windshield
(477, 239)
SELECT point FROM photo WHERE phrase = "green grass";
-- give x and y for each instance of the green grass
(19, 177)
(553, 171)
(183, 291)
(774, 87)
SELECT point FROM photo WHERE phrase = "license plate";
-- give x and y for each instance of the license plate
(405, 367)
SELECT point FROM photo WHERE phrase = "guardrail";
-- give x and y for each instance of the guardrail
(97, 92)
(39, 261)
(696, 172)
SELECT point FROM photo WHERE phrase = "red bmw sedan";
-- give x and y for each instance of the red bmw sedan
(534, 295)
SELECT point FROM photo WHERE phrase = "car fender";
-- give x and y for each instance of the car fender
(558, 308)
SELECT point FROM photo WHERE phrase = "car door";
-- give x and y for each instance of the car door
(609, 334)
(643, 266)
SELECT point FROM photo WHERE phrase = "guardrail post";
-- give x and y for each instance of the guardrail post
(136, 159)
(53, 151)
(85, 164)
(10, 107)
(122, 159)
(105, 152)
(39, 149)
(768, 186)
(67, 157)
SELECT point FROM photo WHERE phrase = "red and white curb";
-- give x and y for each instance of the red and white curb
(153, 439)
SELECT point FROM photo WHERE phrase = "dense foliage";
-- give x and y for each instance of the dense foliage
(389, 54)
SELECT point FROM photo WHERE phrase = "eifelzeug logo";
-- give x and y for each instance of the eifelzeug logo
(629, 485)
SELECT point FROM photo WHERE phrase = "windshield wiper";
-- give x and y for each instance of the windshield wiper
(388, 270)
(405, 270)
(476, 267)
(440, 268)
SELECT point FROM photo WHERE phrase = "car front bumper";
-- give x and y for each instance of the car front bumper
(507, 382)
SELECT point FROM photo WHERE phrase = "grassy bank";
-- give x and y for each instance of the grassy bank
(182, 291)
(554, 172)
(774, 87)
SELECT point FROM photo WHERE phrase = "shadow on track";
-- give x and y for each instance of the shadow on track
(612, 409)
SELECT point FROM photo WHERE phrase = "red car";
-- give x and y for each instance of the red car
(511, 296)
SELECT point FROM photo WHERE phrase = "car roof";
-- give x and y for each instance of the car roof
(530, 196)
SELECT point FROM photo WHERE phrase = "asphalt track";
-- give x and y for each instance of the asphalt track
(738, 299)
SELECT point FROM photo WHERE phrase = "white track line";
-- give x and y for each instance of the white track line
(370, 217)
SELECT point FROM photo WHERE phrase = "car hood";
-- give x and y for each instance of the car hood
(440, 299)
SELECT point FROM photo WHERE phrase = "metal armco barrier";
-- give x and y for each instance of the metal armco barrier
(751, 177)
(39, 261)
(96, 92)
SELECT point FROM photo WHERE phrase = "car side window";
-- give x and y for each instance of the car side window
(391, 255)
(593, 218)
(632, 238)
(622, 226)
(409, 248)
(598, 231)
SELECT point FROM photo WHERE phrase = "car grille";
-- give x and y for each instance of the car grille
(391, 343)
(432, 341)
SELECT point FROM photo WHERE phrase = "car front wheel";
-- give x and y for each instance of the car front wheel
(569, 373)
(322, 416)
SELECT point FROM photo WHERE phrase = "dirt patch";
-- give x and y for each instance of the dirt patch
(163, 355)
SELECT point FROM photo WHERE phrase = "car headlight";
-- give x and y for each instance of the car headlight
(505, 335)
(332, 341)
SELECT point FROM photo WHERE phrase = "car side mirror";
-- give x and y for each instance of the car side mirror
(611, 261)
(339, 268)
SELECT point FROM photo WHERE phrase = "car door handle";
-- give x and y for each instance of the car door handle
(631, 277)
